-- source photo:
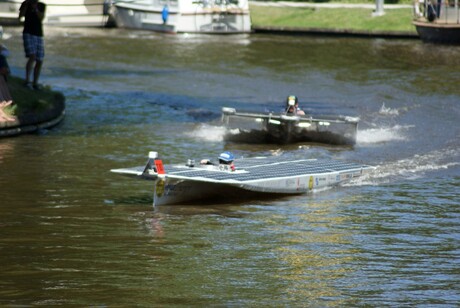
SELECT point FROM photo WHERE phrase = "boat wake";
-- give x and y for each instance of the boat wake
(382, 134)
(388, 111)
(410, 168)
(209, 133)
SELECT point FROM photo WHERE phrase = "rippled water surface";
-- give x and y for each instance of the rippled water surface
(72, 233)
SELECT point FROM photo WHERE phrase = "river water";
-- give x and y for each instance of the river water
(72, 233)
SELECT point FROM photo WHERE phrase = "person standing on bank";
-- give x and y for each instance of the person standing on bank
(33, 13)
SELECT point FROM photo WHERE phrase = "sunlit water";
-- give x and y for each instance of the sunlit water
(72, 233)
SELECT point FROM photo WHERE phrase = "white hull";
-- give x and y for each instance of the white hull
(70, 13)
(253, 176)
(174, 191)
(182, 17)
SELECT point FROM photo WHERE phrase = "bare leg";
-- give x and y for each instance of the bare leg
(29, 65)
(37, 69)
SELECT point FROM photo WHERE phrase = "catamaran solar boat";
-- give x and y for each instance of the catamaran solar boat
(283, 128)
(275, 175)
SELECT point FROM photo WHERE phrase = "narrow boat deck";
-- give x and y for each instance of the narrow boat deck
(254, 169)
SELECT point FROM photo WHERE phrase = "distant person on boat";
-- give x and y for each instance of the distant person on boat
(32, 35)
(438, 8)
(165, 14)
(431, 9)
(292, 106)
(225, 160)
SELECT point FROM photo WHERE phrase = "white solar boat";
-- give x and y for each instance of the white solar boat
(182, 183)
(282, 128)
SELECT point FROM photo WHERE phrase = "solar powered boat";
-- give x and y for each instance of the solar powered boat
(179, 183)
(282, 128)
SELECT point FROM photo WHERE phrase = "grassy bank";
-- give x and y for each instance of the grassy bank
(27, 101)
(358, 19)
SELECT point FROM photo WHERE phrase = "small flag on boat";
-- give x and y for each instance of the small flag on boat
(159, 166)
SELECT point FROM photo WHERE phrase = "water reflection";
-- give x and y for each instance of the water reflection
(314, 254)
(6, 151)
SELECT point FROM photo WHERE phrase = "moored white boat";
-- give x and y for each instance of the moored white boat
(282, 128)
(175, 16)
(437, 21)
(261, 175)
(70, 13)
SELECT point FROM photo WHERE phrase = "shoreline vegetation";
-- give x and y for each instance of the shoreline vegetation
(32, 109)
(336, 17)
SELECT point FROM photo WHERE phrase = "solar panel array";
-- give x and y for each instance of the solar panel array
(263, 168)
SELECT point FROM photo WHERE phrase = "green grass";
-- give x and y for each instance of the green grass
(358, 19)
(346, 1)
(30, 101)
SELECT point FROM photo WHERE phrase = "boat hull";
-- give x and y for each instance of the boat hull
(175, 191)
(438, 33)
(268, 128)
(286, 133)
(198, 20)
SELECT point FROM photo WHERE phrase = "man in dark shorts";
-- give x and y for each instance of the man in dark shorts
(33, 13)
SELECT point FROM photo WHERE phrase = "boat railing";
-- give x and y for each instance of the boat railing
(437, 11)
(222, 4)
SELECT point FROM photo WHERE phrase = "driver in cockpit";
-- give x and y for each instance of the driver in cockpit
(225, 161)
(292, 106)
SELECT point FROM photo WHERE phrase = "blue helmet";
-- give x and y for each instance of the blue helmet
(226, 156)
